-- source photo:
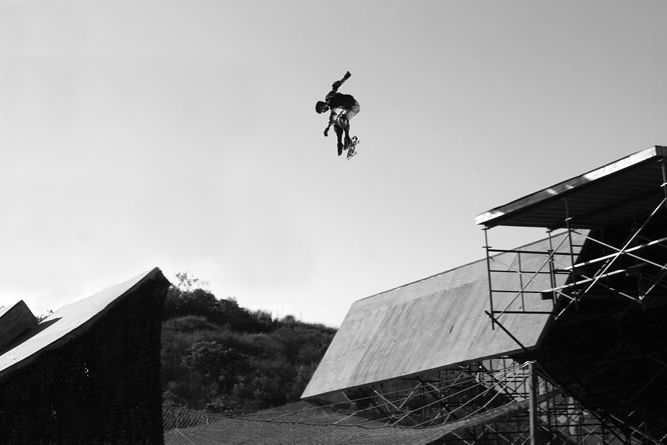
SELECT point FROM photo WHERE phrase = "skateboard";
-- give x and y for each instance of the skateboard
(352, 147)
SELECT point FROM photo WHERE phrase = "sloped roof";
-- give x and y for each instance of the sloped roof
(432, 323)
(615, 193)
(15, 320)
(68, 322)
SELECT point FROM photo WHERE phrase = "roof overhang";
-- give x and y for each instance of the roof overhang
(615, 193)
(72, 321)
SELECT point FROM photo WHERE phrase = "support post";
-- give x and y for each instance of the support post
(663, 167)
(568, 220)
(523, 302)
(552, 274)
(532, 403)
(488, 271)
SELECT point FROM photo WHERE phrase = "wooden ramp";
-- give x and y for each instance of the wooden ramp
(434, 323)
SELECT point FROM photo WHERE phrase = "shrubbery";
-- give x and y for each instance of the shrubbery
(220, 356)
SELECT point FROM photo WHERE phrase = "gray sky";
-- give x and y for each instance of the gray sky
(182, 134)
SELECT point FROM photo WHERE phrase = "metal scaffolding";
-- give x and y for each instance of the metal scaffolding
(631, 245)
(636, 250)
(603, 267)
(493, 401)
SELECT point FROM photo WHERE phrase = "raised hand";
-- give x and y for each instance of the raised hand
(338, 83)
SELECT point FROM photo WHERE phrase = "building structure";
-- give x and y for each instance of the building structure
(567, 330)
(605, 344)
(89, 372)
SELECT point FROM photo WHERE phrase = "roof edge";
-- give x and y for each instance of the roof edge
(412, 374)
(469, 263)
(155, 274)
(493, 217)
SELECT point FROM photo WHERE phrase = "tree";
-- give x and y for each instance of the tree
(219, 355)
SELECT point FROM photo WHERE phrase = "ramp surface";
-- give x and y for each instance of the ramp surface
(433, 323)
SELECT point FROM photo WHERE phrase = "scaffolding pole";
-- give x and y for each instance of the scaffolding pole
(532, 403)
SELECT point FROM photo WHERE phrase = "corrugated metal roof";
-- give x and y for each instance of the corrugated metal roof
(619, 192)
(431, 324)
(67, 323)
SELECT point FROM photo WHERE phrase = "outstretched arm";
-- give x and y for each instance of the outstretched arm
(337, 84)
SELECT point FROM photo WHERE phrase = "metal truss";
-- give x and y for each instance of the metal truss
(640, 253)
(608, 274)
(493, 401)
(514, 288)
(565, 279)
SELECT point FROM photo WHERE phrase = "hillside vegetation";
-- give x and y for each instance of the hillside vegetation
(220, 356)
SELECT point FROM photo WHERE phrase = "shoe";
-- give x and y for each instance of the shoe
(340, 149)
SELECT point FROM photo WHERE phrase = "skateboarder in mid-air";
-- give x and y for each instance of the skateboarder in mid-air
(343, 108)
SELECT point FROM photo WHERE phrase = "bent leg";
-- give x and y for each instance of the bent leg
(345, 123)
(353, 111)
